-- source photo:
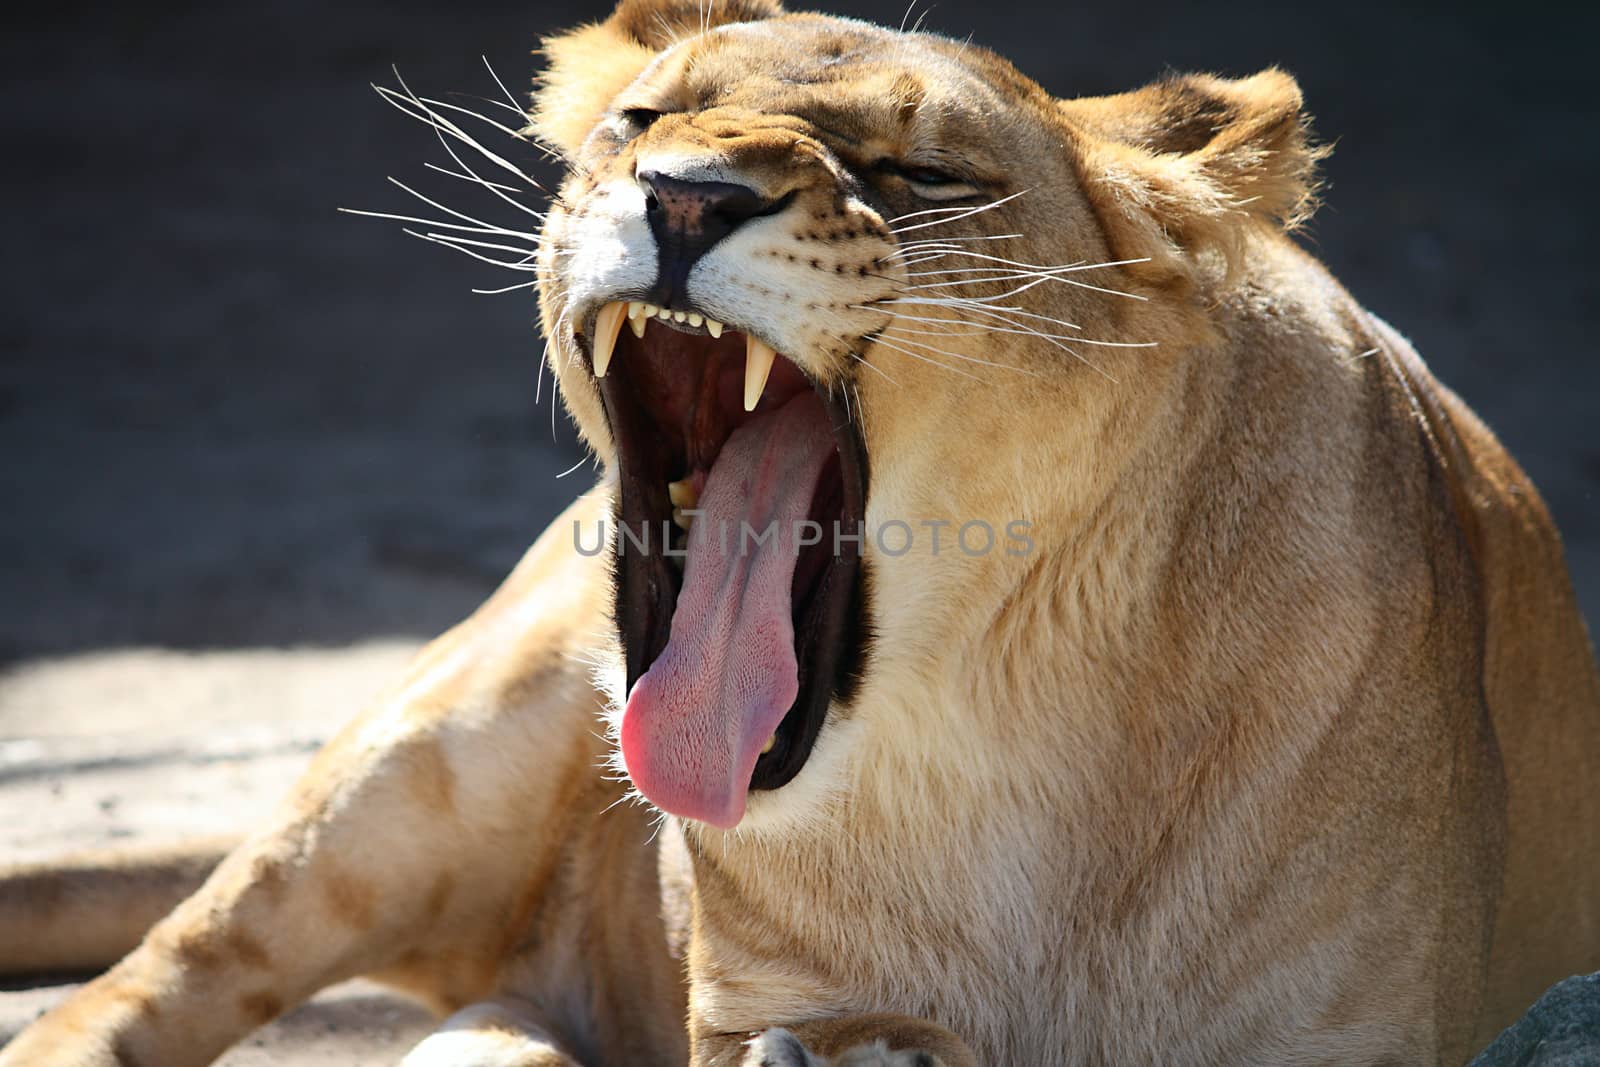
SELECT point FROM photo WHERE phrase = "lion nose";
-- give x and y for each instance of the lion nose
(688, 217)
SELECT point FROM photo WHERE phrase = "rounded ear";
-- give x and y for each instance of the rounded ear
(1189, 164)
(588, 66)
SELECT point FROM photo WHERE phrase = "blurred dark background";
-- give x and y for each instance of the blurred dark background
(232, 417)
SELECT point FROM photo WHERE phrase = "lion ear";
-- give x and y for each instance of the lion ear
(1189, 164)
(588, 66)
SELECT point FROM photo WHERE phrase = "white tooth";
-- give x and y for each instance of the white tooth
(635, 308)
(773, 740)
(680, 315)
(637, 324)
(682, 494)
(758, 357)
(684, 522)
(607, 325)
(694, 319)
(713, 327)
(648, 310)
(663, 313)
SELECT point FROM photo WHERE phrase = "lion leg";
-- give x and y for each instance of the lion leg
(421, 843)
(876, 1040)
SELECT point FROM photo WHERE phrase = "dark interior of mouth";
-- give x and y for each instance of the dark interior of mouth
(673, 400)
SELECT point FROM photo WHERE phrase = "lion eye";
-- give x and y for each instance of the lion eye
(928, 182)
(640, 119)
(926, 175)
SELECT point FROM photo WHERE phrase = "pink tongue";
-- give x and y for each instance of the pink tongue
(695, 723)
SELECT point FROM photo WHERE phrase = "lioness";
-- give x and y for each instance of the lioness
(1242, 712)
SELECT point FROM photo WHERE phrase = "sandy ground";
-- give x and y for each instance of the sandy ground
(155, 745)
(252, 453)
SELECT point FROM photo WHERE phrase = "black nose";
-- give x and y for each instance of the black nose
(687, 218)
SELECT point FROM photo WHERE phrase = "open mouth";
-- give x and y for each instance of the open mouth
(742, 493)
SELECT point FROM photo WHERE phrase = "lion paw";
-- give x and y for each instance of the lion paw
(779, 1048)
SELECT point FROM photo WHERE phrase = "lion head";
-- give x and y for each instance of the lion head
(862, 310)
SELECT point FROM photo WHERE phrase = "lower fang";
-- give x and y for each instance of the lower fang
(771, 741)
(682, 493)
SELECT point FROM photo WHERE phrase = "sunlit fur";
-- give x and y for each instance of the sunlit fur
(1276, 746)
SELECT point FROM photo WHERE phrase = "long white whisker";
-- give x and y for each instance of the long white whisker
(959, 240)
(880, 340)
(492, 187)
(440, 239)
(526, 133)
(511, 100)
(441, 126)
(953, 355)
(447, 172)
(1039, 279)
(1039, 268)
(879, 371)
(946, 298)
(1080, 267)
(1022, 330)
(556, 332)
(913, 248)
(1052, 339)
(575, 466)
(1006, 313)
(1007, 295)
(973, 329)
(919, 259)
(968, 213)
(1034, 270)
(530, 254)
(491, 230)
(956, 207)
(508, 289)
(406, 101)
(448, 211)
(853, 354)
(514, 134)
(1009, 315)
(996, 274)
(521, 134)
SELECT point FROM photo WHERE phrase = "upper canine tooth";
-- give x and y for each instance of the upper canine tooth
(607, 325)
(713, 327)
(758, 357)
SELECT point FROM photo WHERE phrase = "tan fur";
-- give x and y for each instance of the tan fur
(1274, 747)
